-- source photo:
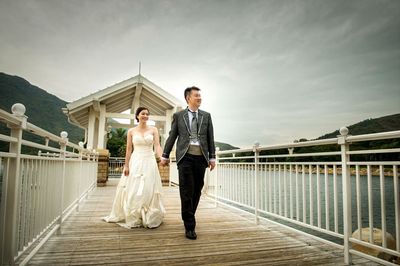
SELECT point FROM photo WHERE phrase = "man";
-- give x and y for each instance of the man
(195, 151)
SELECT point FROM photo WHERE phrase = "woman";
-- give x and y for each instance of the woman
(138, 201)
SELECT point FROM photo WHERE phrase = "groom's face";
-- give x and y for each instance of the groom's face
(194, 98)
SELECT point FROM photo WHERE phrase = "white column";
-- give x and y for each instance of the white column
(91, 130)
(102, 125)
(136, 101)
(168, 122)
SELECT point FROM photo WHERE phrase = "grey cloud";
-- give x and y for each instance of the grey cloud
(271, 71)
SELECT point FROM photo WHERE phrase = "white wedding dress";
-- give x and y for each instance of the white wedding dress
(138, 202)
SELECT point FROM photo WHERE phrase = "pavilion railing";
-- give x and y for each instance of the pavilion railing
(115, 166)
(41, 184)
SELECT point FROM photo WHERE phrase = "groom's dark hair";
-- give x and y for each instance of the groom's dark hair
(189, 90)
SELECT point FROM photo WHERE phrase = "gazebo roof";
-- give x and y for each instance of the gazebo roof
(119, 98)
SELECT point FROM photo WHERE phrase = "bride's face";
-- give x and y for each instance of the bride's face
(143, 116)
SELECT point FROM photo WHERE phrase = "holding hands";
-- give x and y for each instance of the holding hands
(211, 165)
(164, 162)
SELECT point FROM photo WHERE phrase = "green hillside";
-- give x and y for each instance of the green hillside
(224, 146)
(368, 126)
(43, 109)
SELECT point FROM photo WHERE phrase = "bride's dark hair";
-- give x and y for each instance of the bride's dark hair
(138, 112)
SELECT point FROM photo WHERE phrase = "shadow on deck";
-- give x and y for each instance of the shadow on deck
(225, 237)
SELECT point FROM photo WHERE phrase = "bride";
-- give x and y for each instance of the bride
(137, 201)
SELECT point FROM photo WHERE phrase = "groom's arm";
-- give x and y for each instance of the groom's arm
(173, 134)
(211, 144)
(210, 139)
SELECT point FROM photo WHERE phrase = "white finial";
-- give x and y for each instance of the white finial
(80, 144)
(344, 131)
(256, 146)
(18, 109)
(64, 134)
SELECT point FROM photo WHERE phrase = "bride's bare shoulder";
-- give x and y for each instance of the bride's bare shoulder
(154, 129)
(131, 130)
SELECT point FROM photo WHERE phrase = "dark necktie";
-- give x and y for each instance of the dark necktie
(193, 128)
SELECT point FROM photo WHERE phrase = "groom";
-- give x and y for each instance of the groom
(195, 151)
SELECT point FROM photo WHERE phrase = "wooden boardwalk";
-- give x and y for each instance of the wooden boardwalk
(225, 237)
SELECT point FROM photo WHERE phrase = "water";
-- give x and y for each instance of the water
(270, 198)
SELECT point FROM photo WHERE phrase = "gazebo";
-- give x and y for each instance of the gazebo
(96, 113)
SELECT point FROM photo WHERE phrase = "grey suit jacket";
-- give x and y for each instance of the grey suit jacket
(180, 130)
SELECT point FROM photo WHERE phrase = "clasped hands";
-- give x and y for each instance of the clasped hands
(165, 162)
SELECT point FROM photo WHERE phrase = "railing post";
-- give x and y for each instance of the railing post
(216, 177)
(63, 146)
(80, 173)
(9, 245)
(256, 186)
(347, 224)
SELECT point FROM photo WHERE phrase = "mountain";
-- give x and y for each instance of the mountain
(43, 109)
(224, 146)
(368, 126)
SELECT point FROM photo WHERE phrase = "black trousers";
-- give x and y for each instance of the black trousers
(191, 171)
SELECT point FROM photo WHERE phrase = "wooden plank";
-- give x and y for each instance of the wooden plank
(225, 237)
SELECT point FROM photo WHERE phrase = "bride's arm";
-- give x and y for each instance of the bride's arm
(128, 151)
(157, 146)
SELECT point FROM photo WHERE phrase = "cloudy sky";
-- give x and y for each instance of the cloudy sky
(271, 71)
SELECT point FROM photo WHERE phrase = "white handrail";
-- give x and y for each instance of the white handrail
(292, 187)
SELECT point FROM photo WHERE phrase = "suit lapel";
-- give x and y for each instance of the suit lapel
(186, 119)
(200, 114)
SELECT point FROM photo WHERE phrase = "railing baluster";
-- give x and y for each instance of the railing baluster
(396, 206)
(285, 191)
(311, 194)
(370, 205)
(319, 197)
(262, 186)
(291, 190)
(335, 199)
(297, 194)
(256, 181)
(358, 195)
(270, 188)
(274, 188)
(279, 189)
(383, 205)
(304, 193)
(35, 198)
(25, 210)
(327, 194)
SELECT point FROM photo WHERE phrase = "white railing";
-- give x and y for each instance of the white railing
(38, 192)
(322, 194)
(115, 166)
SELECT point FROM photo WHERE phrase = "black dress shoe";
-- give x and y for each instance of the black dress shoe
(191, 234)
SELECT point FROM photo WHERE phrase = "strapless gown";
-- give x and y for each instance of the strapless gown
(138, 199)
